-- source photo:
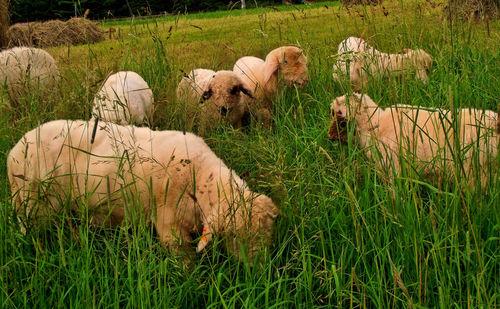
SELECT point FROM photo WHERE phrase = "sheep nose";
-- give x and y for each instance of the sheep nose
(300, 84)
(223, 110)
(246, 119)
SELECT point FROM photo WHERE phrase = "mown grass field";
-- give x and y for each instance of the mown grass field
(341, 240)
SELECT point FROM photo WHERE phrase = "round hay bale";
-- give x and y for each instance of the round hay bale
(20, 35)
(84, 31)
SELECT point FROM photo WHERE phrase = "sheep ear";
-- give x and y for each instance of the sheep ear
(271, 67)
(246, 91)
(266, 205)
(206, 237)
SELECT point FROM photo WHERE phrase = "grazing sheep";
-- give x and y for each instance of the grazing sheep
(262, 77)
(214, 97)
(24, 70)
(431, 139)
(115, 173)
(124, 98)
(360, 61)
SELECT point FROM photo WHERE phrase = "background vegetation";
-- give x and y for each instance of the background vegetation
(35, 10)
(342, 240)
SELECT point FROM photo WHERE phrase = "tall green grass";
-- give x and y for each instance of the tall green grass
(345, 237)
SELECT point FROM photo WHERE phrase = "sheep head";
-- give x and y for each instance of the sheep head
(251, 228)
(346, 109)
(290, 62)
(338, 126)
(225, 93)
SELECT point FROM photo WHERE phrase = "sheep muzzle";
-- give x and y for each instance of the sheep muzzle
(338, 129)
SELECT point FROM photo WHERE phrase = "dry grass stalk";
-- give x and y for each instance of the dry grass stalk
(475, 10)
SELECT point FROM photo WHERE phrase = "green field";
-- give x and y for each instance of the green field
(345, 237)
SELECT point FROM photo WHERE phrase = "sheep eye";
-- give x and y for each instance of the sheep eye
(235, 90)
(343, 124)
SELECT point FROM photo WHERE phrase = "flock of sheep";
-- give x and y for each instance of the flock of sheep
(123, 172)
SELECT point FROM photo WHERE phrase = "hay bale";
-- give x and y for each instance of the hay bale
(50, 33)
(84, 31)
(4, 22)
(349, 3)
(54, 33)
(20, 35)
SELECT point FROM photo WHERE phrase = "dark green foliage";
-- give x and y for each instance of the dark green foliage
(36, 10)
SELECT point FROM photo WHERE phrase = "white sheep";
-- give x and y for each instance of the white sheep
(214, 97)
(287, 63)
(124, 98)
(429, 140)
(116, 173)
(359, 61)
(24, 70)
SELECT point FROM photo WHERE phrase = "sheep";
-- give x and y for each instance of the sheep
(126, 173)
(262, 77)
(214, 97)
(498, 123)
(432, 140)
(359, 61)
(124, 98)
(26, 69)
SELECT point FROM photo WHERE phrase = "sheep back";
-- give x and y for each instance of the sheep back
(26, 69)
(124, 98)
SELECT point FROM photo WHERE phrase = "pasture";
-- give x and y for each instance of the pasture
(345, 238)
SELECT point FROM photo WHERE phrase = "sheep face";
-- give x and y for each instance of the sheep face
(343, 111)
(225, 94)
(294, 67)
(422, 62)
(253, 229)
(338, 126)
(290, 62)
